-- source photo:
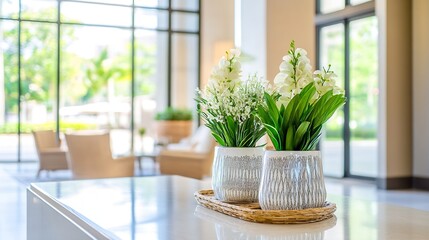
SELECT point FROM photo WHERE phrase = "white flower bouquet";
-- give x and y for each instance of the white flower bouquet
(228, 104)
(301, 102)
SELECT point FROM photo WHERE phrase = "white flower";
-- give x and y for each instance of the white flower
(296, 73)
(226, 74)
(325, 81)
(227, 95)
(235, 52)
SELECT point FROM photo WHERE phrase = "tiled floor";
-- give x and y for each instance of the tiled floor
(14, 179)
(12, 208)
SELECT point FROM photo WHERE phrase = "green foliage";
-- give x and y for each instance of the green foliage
(12, 128)
(38, 49)
(236, 134)
(335, 132)
(146, 65)
(298, 125)
(142, 131)
(38, 60)
(39, 65)
(174, 114)
(231, 133)
(99, 72)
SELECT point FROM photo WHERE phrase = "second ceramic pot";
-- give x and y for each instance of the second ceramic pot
(292, 180)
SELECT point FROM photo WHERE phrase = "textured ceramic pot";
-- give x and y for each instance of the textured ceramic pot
(237, 174)
(292, 180)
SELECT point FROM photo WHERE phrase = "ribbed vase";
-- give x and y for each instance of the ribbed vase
(292, 180)
(237, 174)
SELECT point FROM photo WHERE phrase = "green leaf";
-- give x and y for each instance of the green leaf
(231, 129)
(318, 108)
(289, 138)
(272, 107)
(218, 139)
(289, 111)
(300, 132)
(306, 94)
(314, 142)
(280, 119)
(306, 141)
(313, 139)
(263, 115)
(328, 109)
(295, 111)
(274, 136)
(336, 102)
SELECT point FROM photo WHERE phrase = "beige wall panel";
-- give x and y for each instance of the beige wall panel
(421, 88)
(395, 138)
(289, 20)
(217, 30)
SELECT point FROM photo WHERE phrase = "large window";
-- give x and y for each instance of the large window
(93, 65)
(347, 38)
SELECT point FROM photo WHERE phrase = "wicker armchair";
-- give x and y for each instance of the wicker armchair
(51, 156)
(90, 156)
(192, 157)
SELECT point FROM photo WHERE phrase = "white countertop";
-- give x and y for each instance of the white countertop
(163, 207)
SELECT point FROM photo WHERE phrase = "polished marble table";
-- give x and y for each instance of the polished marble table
(163, 207)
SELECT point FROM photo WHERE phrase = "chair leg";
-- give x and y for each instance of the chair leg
(140, 164)
(38, 173)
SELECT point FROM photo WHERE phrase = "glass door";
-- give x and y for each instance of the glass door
(332, 146)
(8, 91)
(363, 98)
(349, 144)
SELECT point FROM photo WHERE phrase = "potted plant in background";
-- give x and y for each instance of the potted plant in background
(228, 106)
(142, 132)
(173, 124)
(293, 115)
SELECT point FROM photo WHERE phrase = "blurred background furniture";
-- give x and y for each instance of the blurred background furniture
(191, 157)
(90, 156)
(173, 124)
(148, 154)
(51, 156)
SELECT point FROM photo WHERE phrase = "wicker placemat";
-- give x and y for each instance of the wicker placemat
(253, 213)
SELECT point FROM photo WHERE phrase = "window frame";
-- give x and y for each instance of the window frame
(344, 16)
(59, 23)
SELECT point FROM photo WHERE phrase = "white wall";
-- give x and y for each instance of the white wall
(269, 26)
(217, 33)
(253, 37)
(420, 88)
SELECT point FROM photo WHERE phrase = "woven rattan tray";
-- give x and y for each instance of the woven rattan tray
(253, 213)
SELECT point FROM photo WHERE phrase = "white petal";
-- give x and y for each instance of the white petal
(235, 52)
(280, 78)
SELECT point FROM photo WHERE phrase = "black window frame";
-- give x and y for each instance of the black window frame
(345, 16)
(132, 28)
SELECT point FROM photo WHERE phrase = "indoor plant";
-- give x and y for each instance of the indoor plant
(293, 115)
(173, 124)
(228, 106)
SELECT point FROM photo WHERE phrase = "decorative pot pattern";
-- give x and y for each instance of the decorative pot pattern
(237, 173)
(292, 180)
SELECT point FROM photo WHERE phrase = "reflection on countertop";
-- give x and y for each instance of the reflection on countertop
(234, 228)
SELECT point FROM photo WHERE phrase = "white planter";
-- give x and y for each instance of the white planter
(237, 173)
(292, 180)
